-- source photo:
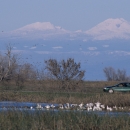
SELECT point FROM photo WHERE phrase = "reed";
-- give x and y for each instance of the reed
(14, 120)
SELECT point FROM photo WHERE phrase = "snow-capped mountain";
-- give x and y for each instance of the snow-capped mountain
(38, 26)
(106, 30)
(42, 30)
(110, 29)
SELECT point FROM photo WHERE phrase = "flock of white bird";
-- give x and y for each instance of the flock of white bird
(89, 107)
(68, 106)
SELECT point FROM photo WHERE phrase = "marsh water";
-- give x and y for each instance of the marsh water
(25, 106)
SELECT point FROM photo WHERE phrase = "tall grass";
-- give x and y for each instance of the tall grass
(61, 121)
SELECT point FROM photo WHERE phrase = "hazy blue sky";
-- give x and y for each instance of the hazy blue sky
(69, 14)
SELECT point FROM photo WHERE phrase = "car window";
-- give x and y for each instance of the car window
(125, 85)
(117, 85)
(120, 85)
(128, 85)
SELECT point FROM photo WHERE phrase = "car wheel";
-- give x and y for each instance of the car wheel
(111, 91)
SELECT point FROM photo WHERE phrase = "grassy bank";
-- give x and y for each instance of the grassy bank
(46, 86)
(118, 99)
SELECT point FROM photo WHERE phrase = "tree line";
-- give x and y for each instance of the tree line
(67, 72)
(115, 75)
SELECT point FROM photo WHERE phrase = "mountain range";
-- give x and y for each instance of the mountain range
(106, 30)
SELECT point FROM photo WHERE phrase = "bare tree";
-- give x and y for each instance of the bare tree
(8, 64)
(115, 75)
(110, 73)
(67, 72)
(121, 75)
(25, 72)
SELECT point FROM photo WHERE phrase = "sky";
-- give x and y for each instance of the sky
(70, 14)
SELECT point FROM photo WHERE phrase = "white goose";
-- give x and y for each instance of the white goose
(98, 104)
(39, 106)
(67, 106)
(47, 107)
(61, 106)
(89, 108)
(52, 106)
(97, 107)
(74, 105)
(115, 107)
(31, 107)
(81, 106)
(89, 105)
(109, 108)
(102, 106)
